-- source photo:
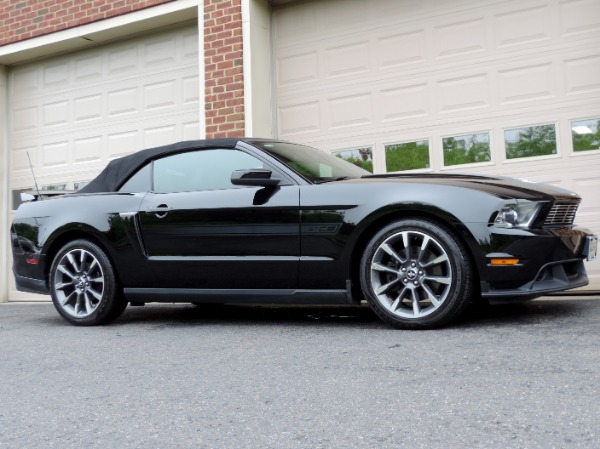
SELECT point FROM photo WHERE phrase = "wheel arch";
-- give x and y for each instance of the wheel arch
(68, 236)
(381, 219)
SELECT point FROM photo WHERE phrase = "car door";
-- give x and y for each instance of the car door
(201, 231)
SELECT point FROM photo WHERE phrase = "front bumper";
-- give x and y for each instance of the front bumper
(552, 277)
(550, 260)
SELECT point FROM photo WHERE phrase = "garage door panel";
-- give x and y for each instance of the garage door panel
(582, 74)
(347, 59)
(24, 119)
(25, 80)
(466, 36)
(526, 83)
(55, 75)
(87, 150)
(353, 110)
(88, 67)
(55, 154)
(574, 23)
(403, 102)
(462, 93)
(400, 49)
(159, 50)
(89, 107)
(521, 26)
(300, 118)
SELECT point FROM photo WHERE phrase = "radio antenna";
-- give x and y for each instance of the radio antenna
(34, 180)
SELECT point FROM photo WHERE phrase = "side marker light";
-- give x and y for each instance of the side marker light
(504, 261)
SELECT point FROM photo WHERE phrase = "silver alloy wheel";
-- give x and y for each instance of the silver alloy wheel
(79, 283)
(411, 274)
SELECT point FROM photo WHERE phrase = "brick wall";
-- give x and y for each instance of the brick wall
(24, 19)
(223, 60)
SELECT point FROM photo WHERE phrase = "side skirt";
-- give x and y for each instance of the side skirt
(237, 296)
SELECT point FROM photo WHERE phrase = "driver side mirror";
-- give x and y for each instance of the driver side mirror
(254, 177)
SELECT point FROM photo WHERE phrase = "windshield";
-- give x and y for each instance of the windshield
(310, 163)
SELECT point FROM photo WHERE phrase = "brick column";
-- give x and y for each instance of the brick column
(223, 65)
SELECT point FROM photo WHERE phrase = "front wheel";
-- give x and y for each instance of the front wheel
(416, 275)
(83, 285)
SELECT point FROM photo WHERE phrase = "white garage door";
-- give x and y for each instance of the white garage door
(74, 113)
(497, 87)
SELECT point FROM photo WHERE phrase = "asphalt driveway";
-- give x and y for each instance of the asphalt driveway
(176, 376)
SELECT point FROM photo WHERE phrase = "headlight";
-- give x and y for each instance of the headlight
(517, 215)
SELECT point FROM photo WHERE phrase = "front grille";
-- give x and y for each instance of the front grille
(562, 214)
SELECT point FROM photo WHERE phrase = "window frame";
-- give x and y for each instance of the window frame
(557, 155)
(491, 162)
(429, 169)
(285, 180)
(355, 148)
(569, 126)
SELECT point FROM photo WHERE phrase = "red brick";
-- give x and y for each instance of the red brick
(225, 65)
(226, 127)
(234, 86)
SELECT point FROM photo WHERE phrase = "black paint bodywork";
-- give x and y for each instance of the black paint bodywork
(297, 242)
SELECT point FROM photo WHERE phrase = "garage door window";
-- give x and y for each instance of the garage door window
(407, 156)
(586, 134)
(62, 186)
(530, 141)
(361, 157)
(466, 149)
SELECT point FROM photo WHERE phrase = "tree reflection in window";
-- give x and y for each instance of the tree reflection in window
(586, 134)
(407, 156)
(530, 141)
(466, 149)
(361, 157)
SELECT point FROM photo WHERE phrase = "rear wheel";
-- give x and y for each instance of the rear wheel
(416, 275)
(84, 286)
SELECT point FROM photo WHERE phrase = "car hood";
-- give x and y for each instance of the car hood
(501, 186)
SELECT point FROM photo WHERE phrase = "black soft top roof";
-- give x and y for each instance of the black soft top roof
(119, 170)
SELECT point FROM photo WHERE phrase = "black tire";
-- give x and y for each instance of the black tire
(416, 259)
(84, 287)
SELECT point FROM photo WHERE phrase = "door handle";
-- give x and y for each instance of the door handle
(160, 211)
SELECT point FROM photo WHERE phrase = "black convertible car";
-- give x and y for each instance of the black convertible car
(254, 221)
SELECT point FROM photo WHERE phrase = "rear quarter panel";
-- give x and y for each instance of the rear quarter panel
(104, 218)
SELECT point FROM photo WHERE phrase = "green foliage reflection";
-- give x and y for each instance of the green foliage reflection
(586, 135)
(530, 141)
(407, 156)
(466, 149)
(361, 157)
